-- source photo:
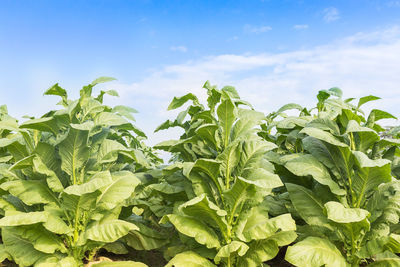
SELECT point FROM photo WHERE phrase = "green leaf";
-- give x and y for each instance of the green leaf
(193, 227)
(47, 124)
(201, 208)
(30, 192)
(97, 181)
(116, 192)
(102, 80)
(386, 259)
(235, 247)
(369, 175)
(256, 228)
(145, 238)
(74, 152)
(307, 204)
(179, 101)
(377, 114)
(227, 114)
(109, 119)
(189, 258)
(57, 90)
(315, 252)
(338, 213)
(119, 264)
(305, 165)
(22, 218)
(289, 107)
(323, 136)
(41, 239)
(21, 250)
(109, 230)
(366, 99)
(364, 137)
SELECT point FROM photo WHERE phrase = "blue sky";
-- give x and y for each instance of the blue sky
(273, 51)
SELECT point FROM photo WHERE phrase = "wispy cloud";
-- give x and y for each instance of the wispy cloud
(331, 14)
(179, 48)
(256, 29)
(362, 64)
(393, 3)
(300, 27)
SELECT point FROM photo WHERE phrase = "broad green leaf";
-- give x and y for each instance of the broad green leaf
(52, 180)
(386, 259)
(47, 124)
(262, 178)
(369, 175)
(366, 99)
(56, 224)
(145, 238)
(308, 165)
(23, 218)
(258, 252)
(210, 167)
(116, 247)
(377, 114)
(56, 90)
(116, 192)
(109, 230)
(74, 152)
(235, 247)
(292, 122)
(29, 191)
(57, 260)
(119, 264)
(227, 114)
(289, 107)
(97, 181)
(248, 119)
(4, 254)
(315, 252)
(201, 208)
(102, 80)
(323, 136)
(338, 159)
(179, 101)
(86, 126)
(108, 151)
(109, 119)
(195, 228)
(307, 204)
(364, 137)
(256, 229)
(189, 258)
(338, 213)
(41, 239)
(21, 250)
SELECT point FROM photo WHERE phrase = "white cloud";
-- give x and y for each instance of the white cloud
(256, 29)
(362, 64)
(331, 14)
(300, 27)
(180, 48)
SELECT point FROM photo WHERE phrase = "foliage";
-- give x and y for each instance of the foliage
(337, 170)
(227, 178)
(322, 182)
(65, 178)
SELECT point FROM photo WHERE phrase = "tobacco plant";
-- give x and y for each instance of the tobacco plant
(65, 177)
(336, 170)
(226, 178)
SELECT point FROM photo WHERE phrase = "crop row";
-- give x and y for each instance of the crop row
(79, 186)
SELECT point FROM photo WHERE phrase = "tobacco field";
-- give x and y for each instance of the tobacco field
(80, 187)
